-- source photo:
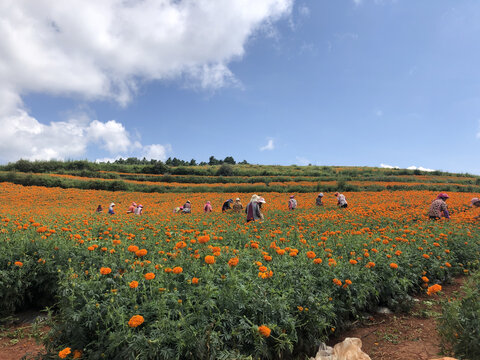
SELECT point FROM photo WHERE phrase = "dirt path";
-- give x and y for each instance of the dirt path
(410, 336)
(385, 337)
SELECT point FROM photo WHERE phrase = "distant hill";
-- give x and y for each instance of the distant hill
(156, 176)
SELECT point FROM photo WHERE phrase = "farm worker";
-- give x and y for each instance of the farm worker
(292, 203)
(318, 200)
(208, 207)
(237, 207)
(138, 210)
(187, 207)
(253, 210)
(475, 202)
(99, 208)
(110, 209)
(341, 201)
(438, 207)
(261, 201)
(178, 209)
(226, 205)
(132, 208)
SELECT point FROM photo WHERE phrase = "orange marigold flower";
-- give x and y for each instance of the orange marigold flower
(353, 262)
(195, 280)
(77, 354)
(370, 264)
(132, 248)
(264, 330)
(317, 261)
(133, 284)
(337, 282)
(311, 255)
(149, 276)
(425, 279)
(203, 239)
(177, 270)
(426, 256)
(105, 270)
(233, 262)
(18, 263)
(64, 353)
(348, 282)
(209, 259)
(393, 265)
(434, 289)
(136, 320)
(262, 268)
(141, 252)
(447, 264)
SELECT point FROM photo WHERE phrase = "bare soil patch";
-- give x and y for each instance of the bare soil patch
(404, 336)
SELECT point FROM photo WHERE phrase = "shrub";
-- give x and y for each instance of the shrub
(459, 324)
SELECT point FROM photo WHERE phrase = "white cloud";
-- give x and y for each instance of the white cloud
(99, 50)
(302, 161)
(270, 145)
(413, 167)
(385, 166)
(357, 2)
(156, 151)
(304, 10)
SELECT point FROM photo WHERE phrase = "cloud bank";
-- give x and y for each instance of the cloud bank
(413, 167)
(105, 50)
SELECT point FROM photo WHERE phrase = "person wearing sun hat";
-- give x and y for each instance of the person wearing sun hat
(110, 209)
(226, 205)
(292, 203)
(187, 207)
(341, 201)
(138, 210)
(237, 206)
(438, 207)
(318, 200)
(132, 208)
(253, 209)
(207, 207)
(475, 203)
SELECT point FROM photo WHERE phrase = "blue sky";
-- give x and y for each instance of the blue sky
(337, 82)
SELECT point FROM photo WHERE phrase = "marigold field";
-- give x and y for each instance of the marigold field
(209, 286)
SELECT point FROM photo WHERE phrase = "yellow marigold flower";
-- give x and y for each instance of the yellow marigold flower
(64, 353)
(136, 320)
(264, 330)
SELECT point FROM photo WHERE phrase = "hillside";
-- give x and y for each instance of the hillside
(241, 178)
